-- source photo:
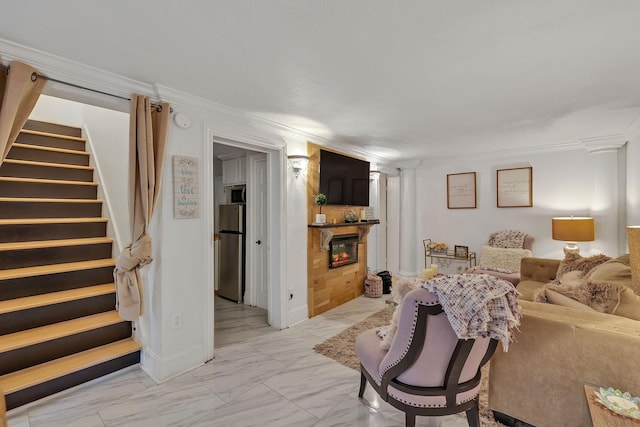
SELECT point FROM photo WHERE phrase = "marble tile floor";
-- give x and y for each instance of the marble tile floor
(260, 376)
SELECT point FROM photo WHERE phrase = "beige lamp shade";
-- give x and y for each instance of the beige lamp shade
(572, 229)
(633, 237)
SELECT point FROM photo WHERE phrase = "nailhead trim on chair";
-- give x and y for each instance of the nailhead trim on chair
(413, 329)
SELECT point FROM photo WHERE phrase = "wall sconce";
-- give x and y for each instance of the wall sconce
(571, 230)
(298, 162)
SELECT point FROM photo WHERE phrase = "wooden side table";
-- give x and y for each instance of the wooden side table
(601, 417)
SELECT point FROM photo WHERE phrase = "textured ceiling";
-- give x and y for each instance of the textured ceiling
(401, 79)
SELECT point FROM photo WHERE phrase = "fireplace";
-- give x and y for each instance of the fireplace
(343, 250)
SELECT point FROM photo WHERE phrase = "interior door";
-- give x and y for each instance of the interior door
(261, 247)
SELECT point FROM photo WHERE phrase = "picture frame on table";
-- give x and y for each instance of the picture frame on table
(461, 190)
(514, 187)
(461, 251)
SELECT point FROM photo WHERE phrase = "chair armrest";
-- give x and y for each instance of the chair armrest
(538, 269)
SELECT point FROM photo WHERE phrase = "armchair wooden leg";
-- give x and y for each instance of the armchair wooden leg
(473, 416)
(363, 383)
(409, 419)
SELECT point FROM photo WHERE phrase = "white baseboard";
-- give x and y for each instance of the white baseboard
(163, 369)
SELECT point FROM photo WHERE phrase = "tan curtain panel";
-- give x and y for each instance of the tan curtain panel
(18, 96)
(148, 131)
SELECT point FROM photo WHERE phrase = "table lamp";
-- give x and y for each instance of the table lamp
(633, 237)
(572, 229)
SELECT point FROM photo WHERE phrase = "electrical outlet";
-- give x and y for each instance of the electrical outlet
(177, 321)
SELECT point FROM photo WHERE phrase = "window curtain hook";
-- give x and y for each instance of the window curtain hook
(34, 76)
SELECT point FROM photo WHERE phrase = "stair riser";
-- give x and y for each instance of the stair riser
(50, 141)
(31, 232)
(47, 190)
(20, 209)
(22, 358)
(36, 285)
(45, 172)
(42, 390)
(49, 314)
(35, 155)
(57, 255)
(53, 128)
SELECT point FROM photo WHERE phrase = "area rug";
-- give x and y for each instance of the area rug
(342, 349)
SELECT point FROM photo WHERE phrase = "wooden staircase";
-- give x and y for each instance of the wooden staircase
(58, 324)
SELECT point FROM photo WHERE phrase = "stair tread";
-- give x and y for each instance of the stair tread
(41, 270)
(43, 148)
(24, 221)
(41, 300)
(47, 181)
(20, 380)
(36, 244)
(53, 135)
(47, 164)
(58, 330)
(47, 200)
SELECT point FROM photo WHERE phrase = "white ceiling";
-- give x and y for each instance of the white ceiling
(397, 79)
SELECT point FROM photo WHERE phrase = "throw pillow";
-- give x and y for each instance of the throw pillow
(573, 278)
(629, 305)
(507, 239)
(601, 296)
(553, 297)
(574, 262)
(507, 259)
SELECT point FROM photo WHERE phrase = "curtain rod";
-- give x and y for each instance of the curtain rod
(35, 76)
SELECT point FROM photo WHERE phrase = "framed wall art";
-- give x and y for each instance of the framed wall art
(186, 187)
(514, 187)
(461, 251)
(461, 190)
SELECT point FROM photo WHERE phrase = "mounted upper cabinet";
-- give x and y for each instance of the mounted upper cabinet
(234, 171)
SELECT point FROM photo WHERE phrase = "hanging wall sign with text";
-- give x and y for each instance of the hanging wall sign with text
(186, 187)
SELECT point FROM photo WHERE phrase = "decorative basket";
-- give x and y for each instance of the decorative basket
(373, 286)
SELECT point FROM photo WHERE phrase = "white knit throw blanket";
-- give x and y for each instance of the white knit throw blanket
(478, 305)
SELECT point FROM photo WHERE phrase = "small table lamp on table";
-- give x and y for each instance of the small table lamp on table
(571, 230)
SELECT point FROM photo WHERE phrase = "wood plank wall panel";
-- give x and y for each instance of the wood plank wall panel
(328, 288)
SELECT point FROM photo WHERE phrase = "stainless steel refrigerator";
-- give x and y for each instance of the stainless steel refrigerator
(232, 219)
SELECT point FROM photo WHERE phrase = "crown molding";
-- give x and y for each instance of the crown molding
(604, 143)
(76, 73)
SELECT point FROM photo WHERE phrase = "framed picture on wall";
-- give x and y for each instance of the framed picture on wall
(461, 251)
(514, 187)
(461, 190)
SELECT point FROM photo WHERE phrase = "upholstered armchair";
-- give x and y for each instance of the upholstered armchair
(427, 370)
(501, 256)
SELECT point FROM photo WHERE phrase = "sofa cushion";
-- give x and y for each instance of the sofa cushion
(575, 262)
(629, 305)
(506, 259)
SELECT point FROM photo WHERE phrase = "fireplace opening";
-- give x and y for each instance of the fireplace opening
(343, 250)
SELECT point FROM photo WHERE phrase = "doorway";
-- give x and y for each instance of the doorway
(261, 173)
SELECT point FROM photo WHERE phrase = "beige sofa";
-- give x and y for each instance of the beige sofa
(557, 350)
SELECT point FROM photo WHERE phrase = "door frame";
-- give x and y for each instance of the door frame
(253, 214)
(277, 245)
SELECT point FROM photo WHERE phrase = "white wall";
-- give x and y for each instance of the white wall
(562, 185)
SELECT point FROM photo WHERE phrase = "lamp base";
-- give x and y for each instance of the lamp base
(571, 248)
